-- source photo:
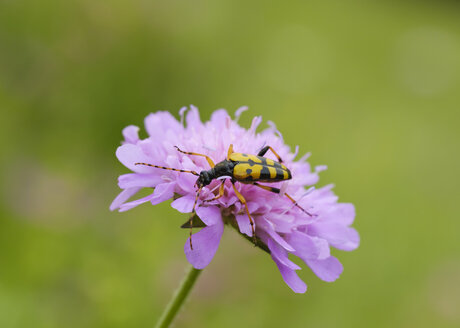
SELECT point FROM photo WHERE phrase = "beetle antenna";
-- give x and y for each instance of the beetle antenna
(167, 168)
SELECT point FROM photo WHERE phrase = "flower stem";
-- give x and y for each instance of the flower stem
(178, 299)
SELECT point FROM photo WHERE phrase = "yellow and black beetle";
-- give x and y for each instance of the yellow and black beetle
(241, 167)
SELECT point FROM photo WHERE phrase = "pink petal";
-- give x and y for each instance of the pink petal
(240, 111)
(255, 123)
(163, 192)
(128, 154)
(188, 164)
(343, 213)
(134, 203)
(253, 206)
(156, 150)
(323, 246)
(244, 224)
(158, 124)
(267, 227)
(272, 128)
(193, 117)
(184, 204)
(324, 195)
(131, 134)
(280, 240)
(305, 246)
(182, 113)
(186, 182)
(320, 168)
(339, 236)
(218, 119)
(303, 174)
(291, 278)
(123, 197)
(281, 255)
(283, 223)
(130, 180)
(205, 244)
(328, 269)
(210, 215)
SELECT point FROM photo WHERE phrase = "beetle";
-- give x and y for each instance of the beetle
(245, 168)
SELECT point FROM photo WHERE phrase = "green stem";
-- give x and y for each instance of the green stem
(178, 299)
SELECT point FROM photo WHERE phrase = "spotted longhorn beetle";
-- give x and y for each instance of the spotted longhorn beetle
(245, 168)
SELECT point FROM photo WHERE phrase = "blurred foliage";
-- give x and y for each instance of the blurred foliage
(370, 88)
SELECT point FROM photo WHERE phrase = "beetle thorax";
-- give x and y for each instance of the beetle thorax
(224, 168)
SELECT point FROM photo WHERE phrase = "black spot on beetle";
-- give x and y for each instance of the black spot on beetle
(265, 173)
(248, 171)
(279, 174)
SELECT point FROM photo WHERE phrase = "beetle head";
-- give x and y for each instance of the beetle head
(203, 180)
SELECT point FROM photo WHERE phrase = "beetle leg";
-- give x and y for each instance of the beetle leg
(251, 221)
(193, 214)
(211, 163)
(277, 191)
(272, 189)
(221, 192)
(264, 150)
(230, 151)
(298, 206)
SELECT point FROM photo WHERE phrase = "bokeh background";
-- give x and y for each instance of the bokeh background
(371, 88)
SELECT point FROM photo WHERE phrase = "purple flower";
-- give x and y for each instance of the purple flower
(280, 226)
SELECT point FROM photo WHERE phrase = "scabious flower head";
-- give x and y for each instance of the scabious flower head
(281, 228)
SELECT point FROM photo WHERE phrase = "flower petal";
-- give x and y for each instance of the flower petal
(240, 111)
(218, 119)
(123, 197)
(163, 192)
(210, 215)
(306, 248)
(205, 244)
(128, 154)
(186, 181)
(184, 204)
(323, 246)
(339, 236)
(131, 134)
(193, 117)
(244, 224)
(134, 203)
(328, 269)
(282, 223)
(255, 123)
(291, 278)
(267, 227)
(320, 168)
(158, 124)
(343, 213)
(130, 180)
(280, 254)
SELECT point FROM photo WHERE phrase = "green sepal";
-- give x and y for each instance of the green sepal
(197, 223)
(259, 243)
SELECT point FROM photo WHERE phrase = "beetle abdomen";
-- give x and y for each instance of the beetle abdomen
(258, 168)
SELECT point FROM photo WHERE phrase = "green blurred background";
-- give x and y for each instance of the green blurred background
(371, 88)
